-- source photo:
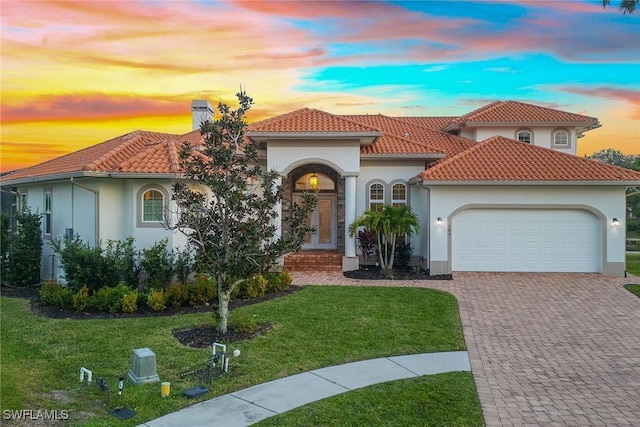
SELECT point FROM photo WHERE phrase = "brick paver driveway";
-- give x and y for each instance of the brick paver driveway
(546, 349)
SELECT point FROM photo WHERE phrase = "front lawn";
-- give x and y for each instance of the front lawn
(633, 263)
(436, 400)
(634, 289)
(316, 327)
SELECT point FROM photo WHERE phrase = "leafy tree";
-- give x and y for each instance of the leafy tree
(626, 6)
(233, 231)
(25, 250)
(615, 157)
(388, 224)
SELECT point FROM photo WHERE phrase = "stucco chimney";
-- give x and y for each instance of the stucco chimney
(201, 111)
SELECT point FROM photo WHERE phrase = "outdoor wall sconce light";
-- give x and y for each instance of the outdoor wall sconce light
(615, 222)
(313, 181)
(439, 221)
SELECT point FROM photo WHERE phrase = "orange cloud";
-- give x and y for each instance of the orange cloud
(629, 96)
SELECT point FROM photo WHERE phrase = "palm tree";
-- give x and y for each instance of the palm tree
(388, 224)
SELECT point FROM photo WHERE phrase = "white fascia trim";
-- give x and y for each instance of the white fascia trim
(52, 178)
(365, 138)
(401, 156)
(504, 124)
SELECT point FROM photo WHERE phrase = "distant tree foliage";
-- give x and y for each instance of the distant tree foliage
(626, 6)
(615, 157)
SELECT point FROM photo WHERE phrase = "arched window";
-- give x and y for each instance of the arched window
(561, 138)
(152, 206)
(399, 194)
(525, 135)
(376, 197)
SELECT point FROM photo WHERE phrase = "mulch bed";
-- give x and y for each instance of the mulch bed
(202, 336)
(375, 273)
(32, 293)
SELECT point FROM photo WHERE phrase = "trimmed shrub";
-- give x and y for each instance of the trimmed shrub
(253, 288)
(277, 282)
(202, 291)
(53, 293)
(156, 300)
(129, 302)
(110, 299)
(244, 324)
(157, 262)
(176, 295)
(81, 299)
(24, 251)
(404, 252)
(183, 265)
(122, 262)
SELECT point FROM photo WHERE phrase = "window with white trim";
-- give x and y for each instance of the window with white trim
(376, 197)
(525, 136)
(561, 138)
(399, 194)
(47, 212)
(152, 206)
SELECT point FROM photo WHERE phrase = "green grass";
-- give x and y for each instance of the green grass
(633, 234)
(634, 289)
(437, 400)
(316, 327)
(633, 263)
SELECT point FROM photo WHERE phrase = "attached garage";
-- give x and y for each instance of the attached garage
(526, 240)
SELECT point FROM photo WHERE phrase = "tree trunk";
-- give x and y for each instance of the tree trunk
(223, 309)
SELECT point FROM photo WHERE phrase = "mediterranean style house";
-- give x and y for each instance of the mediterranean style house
(497, 189)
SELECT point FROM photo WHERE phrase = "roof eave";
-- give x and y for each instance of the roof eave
(365, 138)
(402, 156)
(589, 125)
(53, 177)
(427, 183)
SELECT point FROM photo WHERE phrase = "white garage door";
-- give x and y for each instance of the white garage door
(526, 240)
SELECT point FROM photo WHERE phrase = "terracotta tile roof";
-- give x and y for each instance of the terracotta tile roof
(521, 113)
(499, 159)
(436, 123)
(307, 120)
(437, 141)
(108, 156)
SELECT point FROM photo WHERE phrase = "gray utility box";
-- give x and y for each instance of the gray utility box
(143, 367)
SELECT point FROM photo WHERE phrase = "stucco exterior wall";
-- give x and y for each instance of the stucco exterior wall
(604, 202)
(342, 156)
(542, 135)
(390, 172)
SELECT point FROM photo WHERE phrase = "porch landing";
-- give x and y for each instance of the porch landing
(314, 260)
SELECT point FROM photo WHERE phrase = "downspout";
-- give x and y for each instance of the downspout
(96, 199)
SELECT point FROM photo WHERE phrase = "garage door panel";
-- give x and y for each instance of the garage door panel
(526, 240)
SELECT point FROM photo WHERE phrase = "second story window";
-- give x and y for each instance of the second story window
(525, 136)
(561, 138)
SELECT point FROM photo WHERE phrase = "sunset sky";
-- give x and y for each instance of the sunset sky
(75, 73)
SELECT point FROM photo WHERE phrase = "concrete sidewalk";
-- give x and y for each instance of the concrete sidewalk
(248, 406)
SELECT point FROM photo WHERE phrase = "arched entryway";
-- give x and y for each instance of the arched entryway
(328, 217)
